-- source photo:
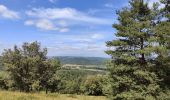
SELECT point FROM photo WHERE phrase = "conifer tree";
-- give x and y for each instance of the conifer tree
(130, 68)
(162, 39)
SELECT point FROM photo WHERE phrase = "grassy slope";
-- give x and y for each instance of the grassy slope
(6, 95)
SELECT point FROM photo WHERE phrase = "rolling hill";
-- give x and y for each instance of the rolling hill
(82, 60)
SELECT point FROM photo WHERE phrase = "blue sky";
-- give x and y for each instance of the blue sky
(65, 27)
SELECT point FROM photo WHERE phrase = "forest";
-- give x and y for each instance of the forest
(138, 67)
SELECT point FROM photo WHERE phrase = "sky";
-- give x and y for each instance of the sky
(64, 27)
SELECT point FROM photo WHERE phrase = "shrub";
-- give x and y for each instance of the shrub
(93, 85)
(4, 80)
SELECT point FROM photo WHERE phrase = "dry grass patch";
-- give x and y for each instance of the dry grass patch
(7, 95)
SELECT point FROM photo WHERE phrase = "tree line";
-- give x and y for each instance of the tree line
(139, 68)
(28, 69)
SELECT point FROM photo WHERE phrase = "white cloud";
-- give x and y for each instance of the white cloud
(52, 1)
(29, 22)
(60, 19)
(64, 30)
(78, 49)
(45, 24)
(8, 14)
(63, 23)
(86, 38)
(66, 14)
(82, 42)
(97, 36)
(109, 5)
(151, 2)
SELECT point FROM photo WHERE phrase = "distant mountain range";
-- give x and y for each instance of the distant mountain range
(82, 60)
(96, 61)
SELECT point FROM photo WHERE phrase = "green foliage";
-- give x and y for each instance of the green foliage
(3, 80)
(132, 82)
(1, 65)
(162, 34)
(71, 81)
(164, 95)
(28, 67)
(82, 60)
(94, 85)
(54, 84)
(139, 68)
(134, 67)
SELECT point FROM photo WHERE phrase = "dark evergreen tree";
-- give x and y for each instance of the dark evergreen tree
(162, 41)
(132, 51)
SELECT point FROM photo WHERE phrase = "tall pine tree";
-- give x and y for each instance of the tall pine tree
(162, 39)
(130, 68)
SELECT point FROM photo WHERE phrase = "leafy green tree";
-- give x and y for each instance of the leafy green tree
(132, 51)
(4, 80)
(70, 80)
(93, 85)
(29, 67)
(48, 78)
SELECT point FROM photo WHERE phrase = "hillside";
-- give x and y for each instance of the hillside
(82, 60)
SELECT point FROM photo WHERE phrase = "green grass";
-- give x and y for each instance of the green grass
(7, 95)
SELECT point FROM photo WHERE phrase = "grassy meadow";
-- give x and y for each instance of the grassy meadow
(8, 95)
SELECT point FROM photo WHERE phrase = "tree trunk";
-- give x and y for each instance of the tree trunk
(46, 91)
(142, 59)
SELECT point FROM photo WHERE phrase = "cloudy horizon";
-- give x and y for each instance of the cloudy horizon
(65, 27)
